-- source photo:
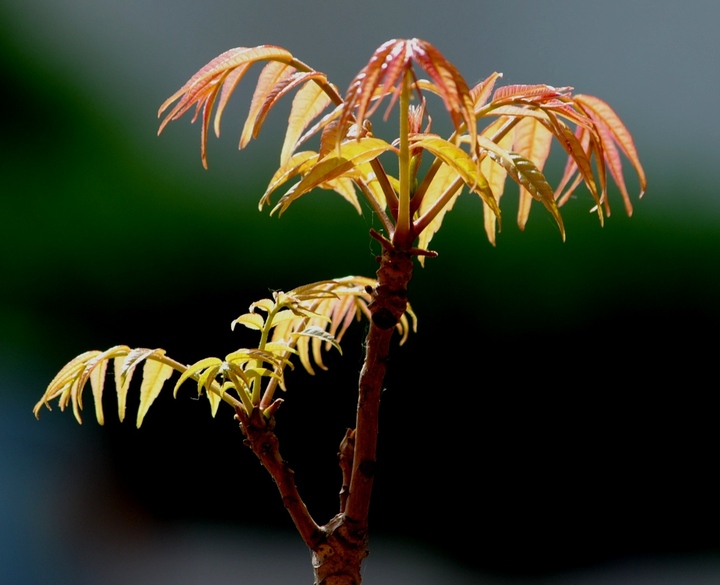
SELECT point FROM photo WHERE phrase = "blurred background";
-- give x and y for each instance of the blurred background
(553, 420)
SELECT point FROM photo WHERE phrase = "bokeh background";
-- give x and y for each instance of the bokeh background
(554, 419)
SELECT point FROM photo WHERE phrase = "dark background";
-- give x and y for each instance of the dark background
(554, 417)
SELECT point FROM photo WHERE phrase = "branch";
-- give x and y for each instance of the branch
(261, 438)
(389, 304)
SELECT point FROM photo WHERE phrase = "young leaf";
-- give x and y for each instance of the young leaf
(460, 161)
(525, 174)
(249, 320)
(272, 75)
(308, 103)
(155, 374)
(532, 142)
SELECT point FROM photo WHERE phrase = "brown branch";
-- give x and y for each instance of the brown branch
(263, 441)
(389, 304)
(346, 456)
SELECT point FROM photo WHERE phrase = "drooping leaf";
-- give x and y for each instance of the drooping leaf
(613, 132)
(526, 174)
(495, 175)
(351, 154)
(532, 142)
(460, 161)
(272, 75)
(155, 374)
(308, 103)
(194, 371)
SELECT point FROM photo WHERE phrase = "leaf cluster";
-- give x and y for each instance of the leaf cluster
(498, 134)
(303, 322)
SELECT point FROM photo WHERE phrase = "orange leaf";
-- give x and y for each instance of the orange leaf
(308, 103)
(273, 74)
(532, 141)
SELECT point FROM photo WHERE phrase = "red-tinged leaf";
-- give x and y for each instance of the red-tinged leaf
(575, 150)
(308, 103)
(515, 92)
(532, 141)
(351, 153)
(333, 134)
(466, 167)
(386, 72)
(515, 112)
(228, 87)
(453, 87)
(480, 94)
(527, 175)
(363, 86)
(610, 126)
(273, 73)
(222, 63)
(282, 87)
(571, 177)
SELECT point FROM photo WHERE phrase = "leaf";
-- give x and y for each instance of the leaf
(155, 374)
(350, 154)
(612, 131)
(527, 175)
(320, 334)
(194, 370)
(121, 388)
(308, 103)
(249, 320)
(386, 72)
(529, 92)
(443, 180)
(97, 382)
(532, 141)
(273, 74)
(222, 74)
(459, 160)
(266, 305)
(496, 176)
(481, 92)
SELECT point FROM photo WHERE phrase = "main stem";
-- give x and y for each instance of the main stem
(339, 559)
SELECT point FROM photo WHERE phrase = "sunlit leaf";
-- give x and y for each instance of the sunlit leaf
(272, 74)
(350, 154)
(155, 374)
(308, 103)
(444, 179)
(532, 141)
(461, 162)
(249, 320)
(526, 174)
(194, 371)
(613, 132)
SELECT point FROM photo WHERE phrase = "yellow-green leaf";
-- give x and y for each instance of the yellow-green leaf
(351, 153)
(467, 168)
(527, 175)
(155, 374)
(195, 369)
(250, 320)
